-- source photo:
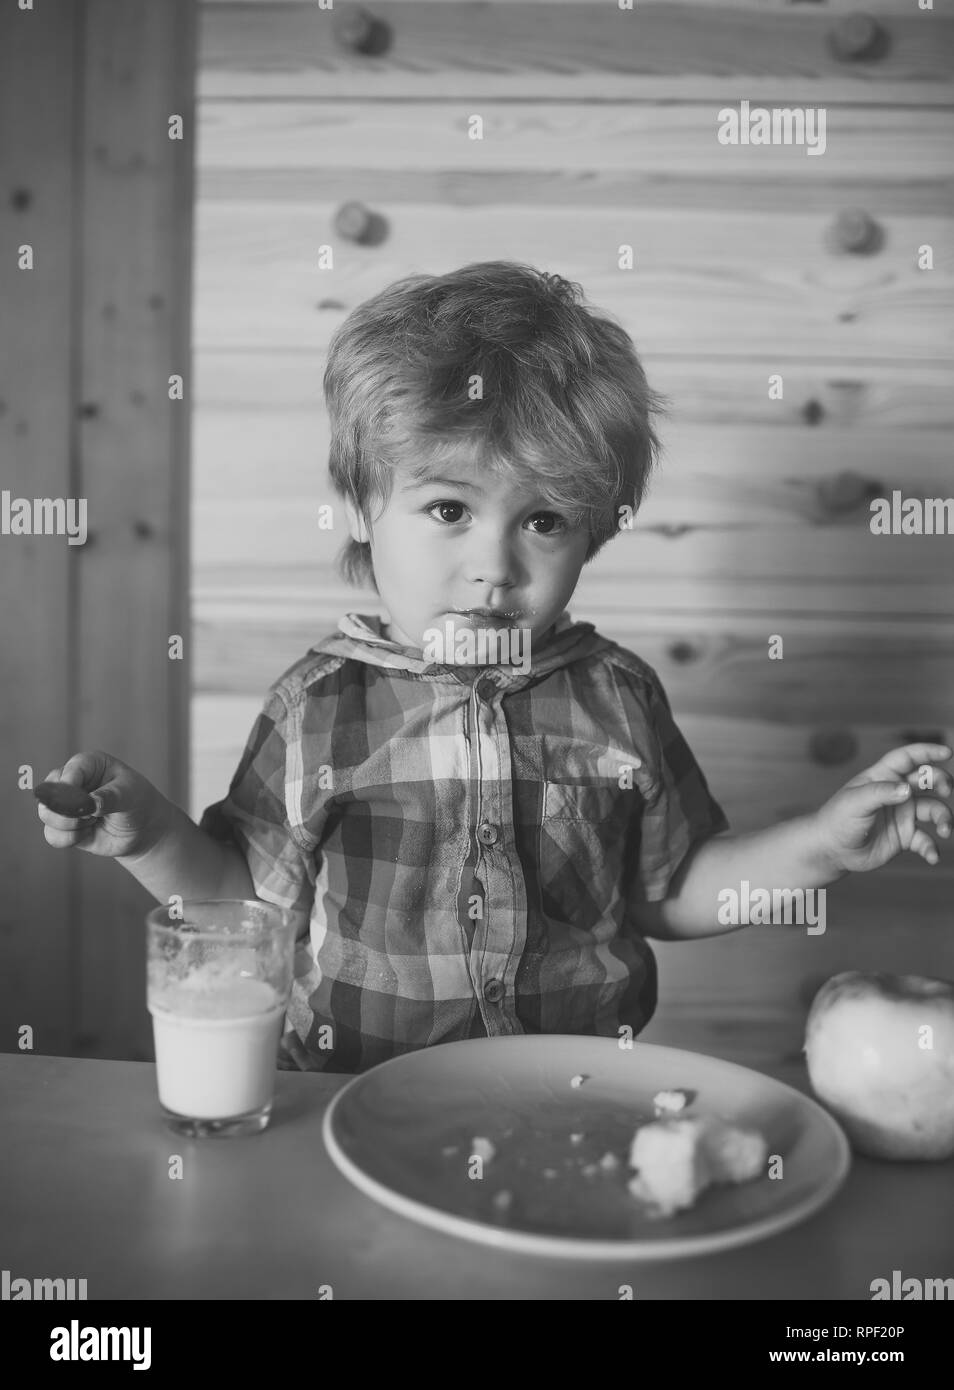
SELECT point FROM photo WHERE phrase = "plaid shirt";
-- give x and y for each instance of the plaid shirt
(463, 845)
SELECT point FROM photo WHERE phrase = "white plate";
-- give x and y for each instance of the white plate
(387, 1130)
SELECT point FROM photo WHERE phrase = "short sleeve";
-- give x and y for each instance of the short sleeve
(254, 815)
(680, 811)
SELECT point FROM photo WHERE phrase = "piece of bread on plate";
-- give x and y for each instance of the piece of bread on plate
(676, 1160)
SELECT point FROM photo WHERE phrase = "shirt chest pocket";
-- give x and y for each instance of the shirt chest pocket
(574, 802)
(581, 849)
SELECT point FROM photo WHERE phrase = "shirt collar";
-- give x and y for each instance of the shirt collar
(361, 637)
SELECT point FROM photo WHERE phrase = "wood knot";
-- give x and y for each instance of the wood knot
(922, 736)
(672, 530)
(830, 747)
(845, 492)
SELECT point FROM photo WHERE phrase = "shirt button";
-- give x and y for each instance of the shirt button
(487, 688)
(487, 834)
(494, 991)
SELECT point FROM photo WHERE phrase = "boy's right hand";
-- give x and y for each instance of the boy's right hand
(132, 819)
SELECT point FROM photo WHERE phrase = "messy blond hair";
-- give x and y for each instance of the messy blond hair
(565, 408)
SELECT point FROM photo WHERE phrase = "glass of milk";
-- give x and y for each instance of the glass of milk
(219, 975)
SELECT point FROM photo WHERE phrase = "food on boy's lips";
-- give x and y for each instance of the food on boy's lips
(880, 1055)
(676, 1160)
(64, 800)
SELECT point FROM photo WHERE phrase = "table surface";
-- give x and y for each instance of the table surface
(85, 1192)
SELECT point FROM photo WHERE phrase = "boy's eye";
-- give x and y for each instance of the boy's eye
(556, 523)
(447, 506)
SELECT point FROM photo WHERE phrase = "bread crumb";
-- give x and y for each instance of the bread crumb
(578, 1080)
(550, 1172)
(577, 1137)
(482, 1148)
(608, 1162)
(671, 1102)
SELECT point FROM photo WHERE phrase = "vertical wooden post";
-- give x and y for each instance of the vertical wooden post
(38, 208)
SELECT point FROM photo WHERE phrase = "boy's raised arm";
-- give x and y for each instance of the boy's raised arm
(186, 861)
(785, 856)
(883, 811)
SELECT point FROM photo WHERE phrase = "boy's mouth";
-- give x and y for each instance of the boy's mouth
(494, 617)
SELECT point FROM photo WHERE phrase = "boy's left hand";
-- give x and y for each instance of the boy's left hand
(866, 823)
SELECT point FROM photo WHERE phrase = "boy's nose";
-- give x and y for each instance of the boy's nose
(492, 583)
(491, 564)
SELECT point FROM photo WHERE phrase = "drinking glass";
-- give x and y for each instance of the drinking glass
(219, 975)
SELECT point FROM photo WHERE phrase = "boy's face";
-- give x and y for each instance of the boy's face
(464, 542)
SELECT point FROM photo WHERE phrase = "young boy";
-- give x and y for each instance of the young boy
(480, 810)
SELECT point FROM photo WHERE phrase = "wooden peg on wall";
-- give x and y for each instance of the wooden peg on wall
(359, 31)
(353, 221)
(857, 37)
(857, 232)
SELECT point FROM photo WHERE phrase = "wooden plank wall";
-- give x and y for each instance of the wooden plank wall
(90, 338)
(36, 404)
(600, 130)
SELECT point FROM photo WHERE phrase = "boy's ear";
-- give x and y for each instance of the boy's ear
(356, 522)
